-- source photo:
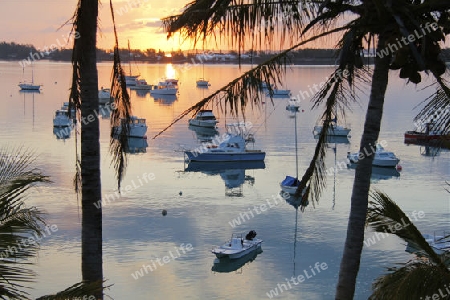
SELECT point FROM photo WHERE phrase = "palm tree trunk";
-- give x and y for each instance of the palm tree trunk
(359, 201)
(91, 240)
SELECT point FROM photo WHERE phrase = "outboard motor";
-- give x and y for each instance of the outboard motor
(251, 235)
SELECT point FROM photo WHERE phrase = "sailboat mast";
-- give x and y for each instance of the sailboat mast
(296, 150)
(129, 56)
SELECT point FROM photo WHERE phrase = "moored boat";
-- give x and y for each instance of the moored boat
(204, 118)
(141, 84)
(137, 126)
(164, 88)
(425, 134)
(202, 82)
(238, 246)
(62, 119)
(382, 157)
(232, 148)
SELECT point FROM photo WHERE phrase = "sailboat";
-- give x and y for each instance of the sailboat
(202, 82)
(290, 184)
(29, 86)
(130, 80)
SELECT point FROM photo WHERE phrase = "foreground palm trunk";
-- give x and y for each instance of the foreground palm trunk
(91, 247)
(359, 200)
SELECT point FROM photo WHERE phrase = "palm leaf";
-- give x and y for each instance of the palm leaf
(120, 114)
(385, 216)
(237, 20)
(19, 226)
(413, 280)
(79, 290)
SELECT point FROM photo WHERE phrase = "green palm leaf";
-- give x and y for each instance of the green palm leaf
(20, 227)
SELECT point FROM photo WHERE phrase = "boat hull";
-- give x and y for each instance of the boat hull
(135, 131)
(420, 136)
(203, 123)
(202, 82)
(224, 156)
(168, 91)
(248, 247)
(29, 87)
(339, 131)
(62, 122)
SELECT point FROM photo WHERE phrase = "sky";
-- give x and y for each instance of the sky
(36, 22)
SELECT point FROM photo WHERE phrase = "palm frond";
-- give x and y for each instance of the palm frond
(121, 113)
(385, 216)
(413, 280)
(237, 20)
(20, 227)
(81, 290)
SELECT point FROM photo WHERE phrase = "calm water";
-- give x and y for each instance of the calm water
(135, 232)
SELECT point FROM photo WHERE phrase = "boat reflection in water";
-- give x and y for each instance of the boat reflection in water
(379, 173)
(204, 134)
(62, 133)
(226, 265)
(165, 99)
(232, 173)
(136, 145)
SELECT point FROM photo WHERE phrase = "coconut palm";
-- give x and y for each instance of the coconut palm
(18, 223)
(359, 25)
(84, 97)
(423, 276)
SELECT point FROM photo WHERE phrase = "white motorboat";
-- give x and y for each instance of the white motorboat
(202, 82)
(131, 80)
(164, 88)
(141, 84)
(333, 130)
(204, 118)
(138, 127)
(104, 96)
(293, 105)
(238, 246)
(62, 119)
(382, 158)
(232, 148)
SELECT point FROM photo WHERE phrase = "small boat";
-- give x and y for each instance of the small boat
(293, 105)
(289, 185)
(425, 134)
(104, 96)
(131, 80)
(382, 158)
(238, 246)
(24, 86)
(62, 119)
(164, 88)
(202, 82)
(279, 93)
(141, 84)
(226, 265)
(138, 127)
(232, 148)
(204, 118)
(333, 130)
(29, 86)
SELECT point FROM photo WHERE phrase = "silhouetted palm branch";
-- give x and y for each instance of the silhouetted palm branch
(76, 291)
(121, 112)
(423, 276)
